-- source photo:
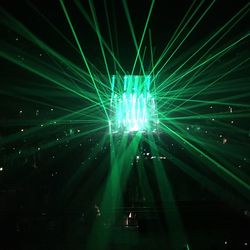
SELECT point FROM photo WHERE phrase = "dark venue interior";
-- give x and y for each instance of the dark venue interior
(124, 124)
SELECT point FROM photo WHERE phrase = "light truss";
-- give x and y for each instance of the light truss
(133, 106)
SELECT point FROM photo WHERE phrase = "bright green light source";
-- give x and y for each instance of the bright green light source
(133, 107)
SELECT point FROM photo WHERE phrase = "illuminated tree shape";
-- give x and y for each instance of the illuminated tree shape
(133, 107)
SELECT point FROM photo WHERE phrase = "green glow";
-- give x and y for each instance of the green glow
(133, 108)
(200, 100)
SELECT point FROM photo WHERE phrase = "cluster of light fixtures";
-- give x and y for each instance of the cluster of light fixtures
(133, 107)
